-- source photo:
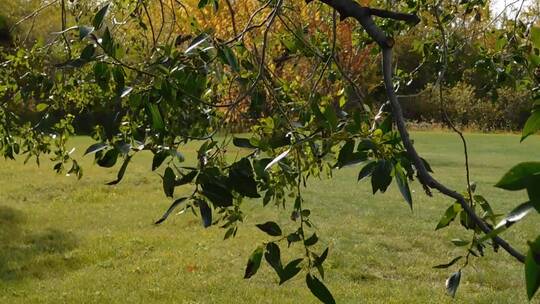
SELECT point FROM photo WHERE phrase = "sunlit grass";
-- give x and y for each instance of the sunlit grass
(69, 241)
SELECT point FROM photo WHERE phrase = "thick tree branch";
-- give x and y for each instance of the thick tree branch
(349, 8)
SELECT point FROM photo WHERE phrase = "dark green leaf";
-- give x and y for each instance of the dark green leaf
(121, 172)
(293, 237)
(273, 257)
(443, 266)
(155, 116)
(348, 157)
(228, 57)
(254, 262)
(242, 179)
(312, 240)
(243, 143)
(109, 159)
(271, 228)
(159, 158)
(532, 268)
(367, 170)
(318, 289)
(320, 260)
(88, 52)
(100, 15)
(188, 178)
(84, 31)
(203, 3)
(290, 271)
(403, 184)
(532, 125)
(452, 283)
(520, 177)
(331, 117)
(206, 213)
(169, 179)
(381, 176)
(217, 194)
(173, 206)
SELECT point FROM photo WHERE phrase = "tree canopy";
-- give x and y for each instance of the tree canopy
(304, 83)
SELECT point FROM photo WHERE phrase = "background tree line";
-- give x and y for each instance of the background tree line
(474, 100)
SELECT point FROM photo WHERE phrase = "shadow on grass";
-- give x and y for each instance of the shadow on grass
(32, 254)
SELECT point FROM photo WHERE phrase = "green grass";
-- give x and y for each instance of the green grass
(69, 241)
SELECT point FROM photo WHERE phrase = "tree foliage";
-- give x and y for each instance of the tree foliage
(303, 77)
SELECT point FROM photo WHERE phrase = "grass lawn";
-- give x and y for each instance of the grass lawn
(69, 241)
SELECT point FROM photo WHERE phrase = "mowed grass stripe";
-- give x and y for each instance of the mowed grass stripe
(69, 241)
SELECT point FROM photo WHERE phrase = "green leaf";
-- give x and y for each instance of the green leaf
(520, 176)
(121, 172)
(403, 184)
(107, 43)
(206, 213)
(320, 260)
(460, 242)
(40, 107)
(452, 283)
(312, 240)
(277, 159)
(532, 125)
(109, 159)
(100, 15)
(155, 116)
(271, 228)
(318, 289)
(290, 271)
(293, 238)
(254, 262)
(273, 257)
(84, 31)
(532, 268)
(88, 52)
(173, 206)
(381, 176)
(169, 179)
(331, 117)
(242, 179)
(243, 143)
(203, 3)
(443, 266)
(95, 148)
(348, 157)
(217, 194)
(367, 170)
(535, 36)
(229, 58)
(159, 158)
(449, 215)
(188, 178)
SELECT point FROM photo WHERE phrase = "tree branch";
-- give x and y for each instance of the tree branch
(363, 15)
